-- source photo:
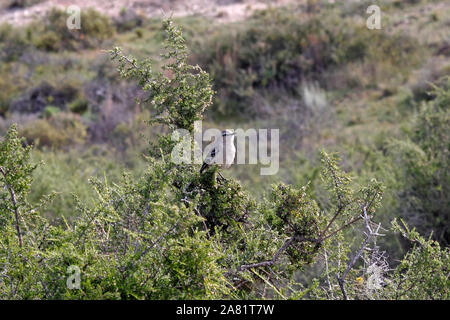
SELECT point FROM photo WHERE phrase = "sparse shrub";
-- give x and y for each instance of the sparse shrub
(426, 263)
(13, 4)
(127, 20)
(111, 106)
(277, 51)
(79, 106)
(60, 130)
(13, 43)
(139, 32)
(36, 99)
(48, 41)
(68, 173)
(8, 88)
(431, 73)
(50, 111)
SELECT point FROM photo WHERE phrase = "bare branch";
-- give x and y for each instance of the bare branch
(369, 234)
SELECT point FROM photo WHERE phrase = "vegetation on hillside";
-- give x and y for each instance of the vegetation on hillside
(369, 224)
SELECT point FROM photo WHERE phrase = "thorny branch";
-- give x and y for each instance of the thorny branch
(369, 234)
(291, 240)
(16, 209)
(286, 244)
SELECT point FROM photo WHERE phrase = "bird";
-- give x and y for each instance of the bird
(222, 152)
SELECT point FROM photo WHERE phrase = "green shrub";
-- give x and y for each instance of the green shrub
(139, 32)
(426, 263)
(277, 51)
(35, 99)
(274, 49)
(423, 168)
(13, 43)
(9, 89)
(50, 111)
(48, 41)
(79, 106)
(61, 130)
(68, 172)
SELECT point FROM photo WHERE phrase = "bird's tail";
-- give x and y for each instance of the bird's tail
(204, 166)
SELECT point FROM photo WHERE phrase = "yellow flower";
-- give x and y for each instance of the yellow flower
(360, 280)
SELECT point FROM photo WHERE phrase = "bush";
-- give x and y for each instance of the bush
(50, 111)
(36, 99)
(61, 130)
(79, 106)
(13, 4)
(426, 263)
(277, 51)
(55, 36)
(48, 41)
(9, 89)
(127, 20)
(424, 169)
(13, 43)
(68, 172)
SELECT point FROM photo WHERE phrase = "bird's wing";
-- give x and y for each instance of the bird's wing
(209, 159)
(211, 155)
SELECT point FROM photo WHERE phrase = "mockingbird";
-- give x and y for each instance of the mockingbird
(222, 152)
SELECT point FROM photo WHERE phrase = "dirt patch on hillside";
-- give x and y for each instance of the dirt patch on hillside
(222, 10)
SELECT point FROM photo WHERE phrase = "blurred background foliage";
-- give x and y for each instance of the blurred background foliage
(379, 97)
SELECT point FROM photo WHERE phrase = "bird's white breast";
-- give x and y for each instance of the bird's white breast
(230, 152)
(225, 152)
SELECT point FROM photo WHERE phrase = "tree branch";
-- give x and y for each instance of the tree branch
(341, 228)
(369, 233)
(286, 244)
